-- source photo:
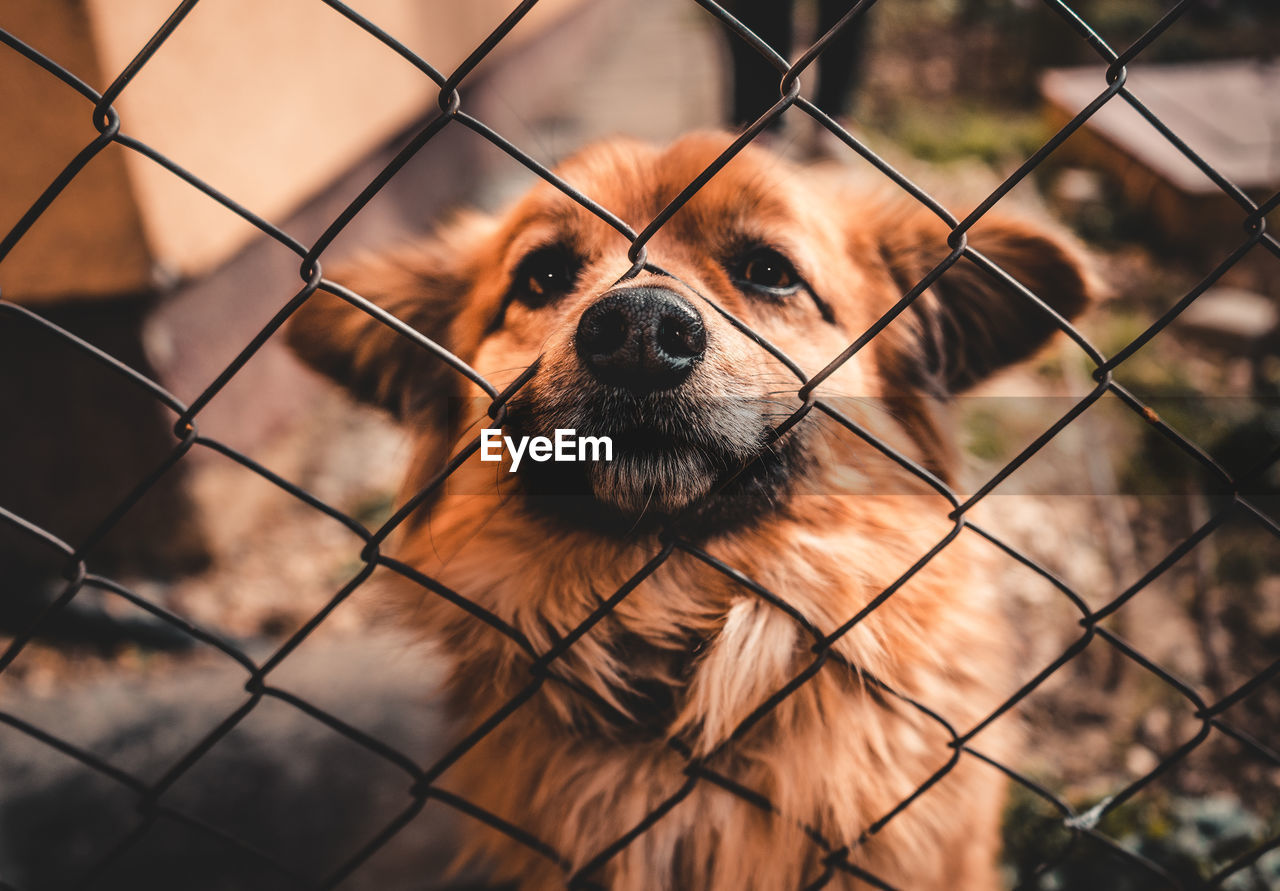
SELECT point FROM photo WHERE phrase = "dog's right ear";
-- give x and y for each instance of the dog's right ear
(970, 324)
(425, 286)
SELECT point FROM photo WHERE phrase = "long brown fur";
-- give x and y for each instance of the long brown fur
(670, 674)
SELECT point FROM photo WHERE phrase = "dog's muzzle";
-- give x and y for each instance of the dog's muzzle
(641, 339)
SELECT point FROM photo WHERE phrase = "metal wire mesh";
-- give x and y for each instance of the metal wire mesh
(1082, 829)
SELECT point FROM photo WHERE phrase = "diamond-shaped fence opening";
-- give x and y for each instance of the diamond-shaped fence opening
(1108, 829)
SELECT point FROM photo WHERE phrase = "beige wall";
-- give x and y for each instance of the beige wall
(265, 100)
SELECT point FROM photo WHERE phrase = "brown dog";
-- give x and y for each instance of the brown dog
(762, 543)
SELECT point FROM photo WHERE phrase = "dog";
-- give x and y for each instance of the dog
(760, 701)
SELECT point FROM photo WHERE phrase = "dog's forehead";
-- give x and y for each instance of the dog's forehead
(636, 182)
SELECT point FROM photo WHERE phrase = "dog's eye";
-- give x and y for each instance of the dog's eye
(544, 275)
(764, 269)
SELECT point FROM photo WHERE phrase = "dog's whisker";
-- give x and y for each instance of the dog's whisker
(643, 510)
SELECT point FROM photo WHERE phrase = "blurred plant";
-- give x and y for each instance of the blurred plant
(1190, 838)
(954, 133)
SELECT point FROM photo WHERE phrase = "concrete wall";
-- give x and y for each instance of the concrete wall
(265, 101)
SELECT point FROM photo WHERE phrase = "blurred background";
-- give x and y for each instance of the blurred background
(291, 109)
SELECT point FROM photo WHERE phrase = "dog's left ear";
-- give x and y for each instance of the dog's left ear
(970, 323)
(421, 286)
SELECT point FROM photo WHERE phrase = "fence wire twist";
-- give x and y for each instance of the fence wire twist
(1082, 828)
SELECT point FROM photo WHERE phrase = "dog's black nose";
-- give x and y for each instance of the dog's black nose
(643, 339)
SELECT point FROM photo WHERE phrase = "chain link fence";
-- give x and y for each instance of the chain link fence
(1077, 831)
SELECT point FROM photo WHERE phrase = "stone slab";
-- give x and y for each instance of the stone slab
(1226, 111)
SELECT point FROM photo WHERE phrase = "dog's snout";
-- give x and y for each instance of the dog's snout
(641, 339)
